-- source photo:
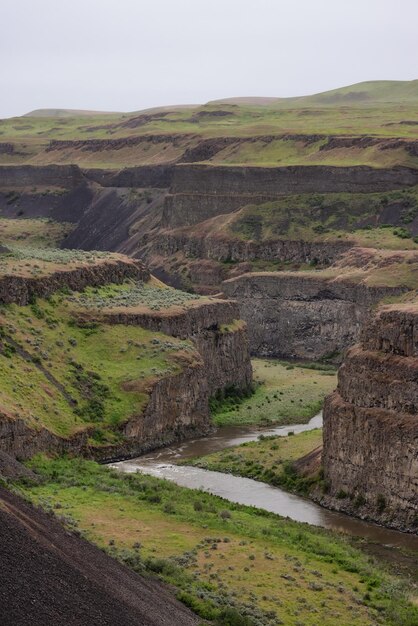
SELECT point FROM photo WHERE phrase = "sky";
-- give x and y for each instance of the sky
(127, 55)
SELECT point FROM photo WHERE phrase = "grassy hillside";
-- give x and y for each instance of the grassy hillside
(66, 376)
(365, 92)
(385, 109)
(378, 220)
(285, 394)
(230, 563)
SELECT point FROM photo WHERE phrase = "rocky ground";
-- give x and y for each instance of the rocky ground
(51, 576)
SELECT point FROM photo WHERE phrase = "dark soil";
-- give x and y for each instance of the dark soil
(50, 577)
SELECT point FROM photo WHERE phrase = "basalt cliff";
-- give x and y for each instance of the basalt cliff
(370, 455)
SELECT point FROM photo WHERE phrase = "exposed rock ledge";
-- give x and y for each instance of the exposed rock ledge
(302, 315)
(20, 289)
(370, 451)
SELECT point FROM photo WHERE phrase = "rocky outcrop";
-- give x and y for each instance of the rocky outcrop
(72, 176)
(224, 249)
(158, 176)
(216, 331)
(370, 454)
(21, 289)
(21, 176)
(301, 315)
(200, 191)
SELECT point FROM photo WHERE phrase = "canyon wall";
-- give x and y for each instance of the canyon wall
(21, 289)
(228, 250)
(300, 315)
(21, 176)
(199, 191)
(217, 332)
(70, 176)
(370, 454)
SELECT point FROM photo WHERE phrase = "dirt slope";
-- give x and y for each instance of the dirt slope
(48, 576)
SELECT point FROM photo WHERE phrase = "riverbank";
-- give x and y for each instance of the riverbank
(285, 393)
(291, 462)
(269, 569)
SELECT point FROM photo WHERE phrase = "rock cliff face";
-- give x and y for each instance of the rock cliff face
(370, 454)
(21, 176)
(199, 192)
(235, 250)
(302, 315)
(71, 176)
(20, 290)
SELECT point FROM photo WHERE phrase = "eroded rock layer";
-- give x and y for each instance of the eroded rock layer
(302, 315)
(370, 451)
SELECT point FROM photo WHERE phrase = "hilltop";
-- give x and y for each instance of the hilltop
(367, 92)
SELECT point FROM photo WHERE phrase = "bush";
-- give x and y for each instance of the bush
(231, 617)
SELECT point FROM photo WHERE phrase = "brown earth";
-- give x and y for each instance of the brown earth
(50, 576)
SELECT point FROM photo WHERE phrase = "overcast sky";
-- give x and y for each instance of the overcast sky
(127, 55)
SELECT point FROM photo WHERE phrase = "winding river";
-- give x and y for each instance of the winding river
(162, 463)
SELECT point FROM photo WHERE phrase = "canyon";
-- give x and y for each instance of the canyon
(293, 239)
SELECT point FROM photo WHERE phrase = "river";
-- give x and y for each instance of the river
(162, 464)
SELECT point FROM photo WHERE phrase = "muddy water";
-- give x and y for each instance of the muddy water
(161, 464)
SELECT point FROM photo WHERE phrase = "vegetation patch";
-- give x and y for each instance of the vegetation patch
(66, 376)
(34, 233)
(228, 562)
(285, 393)
(131, 295)
(364, 218)
(27, 261)
(271, 460)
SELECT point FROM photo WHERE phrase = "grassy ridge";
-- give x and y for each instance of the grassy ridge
(382, 109)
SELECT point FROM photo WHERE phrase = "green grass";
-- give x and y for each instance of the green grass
(220, 554)
(284, 394)
(105, 369)
(269, 460)
(34, 233)
(360, 218)
(376, 109)
(29, 261)
(155, 297)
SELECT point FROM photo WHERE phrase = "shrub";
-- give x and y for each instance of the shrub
(381, 503)
(231, 617)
